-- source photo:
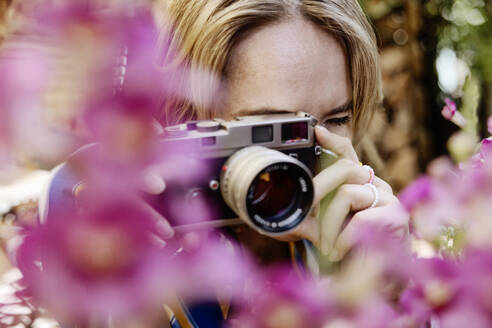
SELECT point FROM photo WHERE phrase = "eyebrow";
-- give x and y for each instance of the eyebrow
(341, 109)
(269, 110)
(261, 111)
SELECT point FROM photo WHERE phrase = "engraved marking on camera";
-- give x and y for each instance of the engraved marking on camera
(303, 184)
(291, 218)
(260, 220)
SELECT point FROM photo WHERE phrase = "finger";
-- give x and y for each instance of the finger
(342, 171)
(153, 183)
(157, 241)
(383, 185)
(392, 218)
(307, 229)
(191, 241)
(340, 145)
(163, 229)
(349, 198)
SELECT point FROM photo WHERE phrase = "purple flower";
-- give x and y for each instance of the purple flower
(464, 315)
(280, 297)
(449, 110)
(459, 198)
(486, 149)
(419, 191)
(97, 264)
(452, 293)
(434, 289)
(27, 126)
(217, 267)
(450, 113)
(87, 56)
(101, 260)
(476, 279)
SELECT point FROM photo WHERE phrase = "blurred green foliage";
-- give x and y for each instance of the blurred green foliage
(467, 29)
(460, 30)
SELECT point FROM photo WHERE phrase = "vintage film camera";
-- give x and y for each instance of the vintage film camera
(260, 169)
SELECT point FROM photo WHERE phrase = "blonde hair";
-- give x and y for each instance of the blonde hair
(205, 31)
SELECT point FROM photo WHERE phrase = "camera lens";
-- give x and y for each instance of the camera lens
(271, 191)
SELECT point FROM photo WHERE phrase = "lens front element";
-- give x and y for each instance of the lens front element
(270, 194)
(271, 191)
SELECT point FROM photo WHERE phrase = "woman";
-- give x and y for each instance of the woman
(288, 55)
(284, 56)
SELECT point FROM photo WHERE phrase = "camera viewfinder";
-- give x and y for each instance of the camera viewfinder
(262, 133)
(293, 132)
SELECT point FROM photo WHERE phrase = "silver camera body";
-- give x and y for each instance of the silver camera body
(258, 168)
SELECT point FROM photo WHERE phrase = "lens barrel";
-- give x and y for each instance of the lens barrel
(271, 191)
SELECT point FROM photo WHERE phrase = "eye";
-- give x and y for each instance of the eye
(338, 120)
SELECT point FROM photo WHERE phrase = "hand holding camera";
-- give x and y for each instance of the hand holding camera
(261, 172)
(260, 168)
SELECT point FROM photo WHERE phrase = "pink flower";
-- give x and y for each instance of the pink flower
(449, 110)
(98, 53)
(419, 191)
(280, 297)
(217, 266)
(27, 126)
(101, 259)
(95, 264)
(486, 149)
(451, 293)
(450, 113)
(434, 289)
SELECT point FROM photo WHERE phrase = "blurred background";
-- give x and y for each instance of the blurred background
(430, 50)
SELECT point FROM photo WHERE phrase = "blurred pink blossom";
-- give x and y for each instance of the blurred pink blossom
(102, 261)
(281, 297)
(451, 293)
(450, 113)
(486, 149)
(449, 110)
(92, 75)
(434, 289)
(83, 266)
(418, 191)
(452, 197)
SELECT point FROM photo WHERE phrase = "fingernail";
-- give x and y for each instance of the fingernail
(154, 184)
(325, 250)
(321, 128)
(191, 241)
(333, 256)
(164, 230)
(158, 242)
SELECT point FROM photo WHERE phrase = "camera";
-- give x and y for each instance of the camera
(258, 168)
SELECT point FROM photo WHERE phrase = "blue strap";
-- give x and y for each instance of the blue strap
(205, 315)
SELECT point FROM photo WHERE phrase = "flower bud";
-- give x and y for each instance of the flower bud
(462, 146)
(450, 113)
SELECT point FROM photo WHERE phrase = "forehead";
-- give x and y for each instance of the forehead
(289, 65)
